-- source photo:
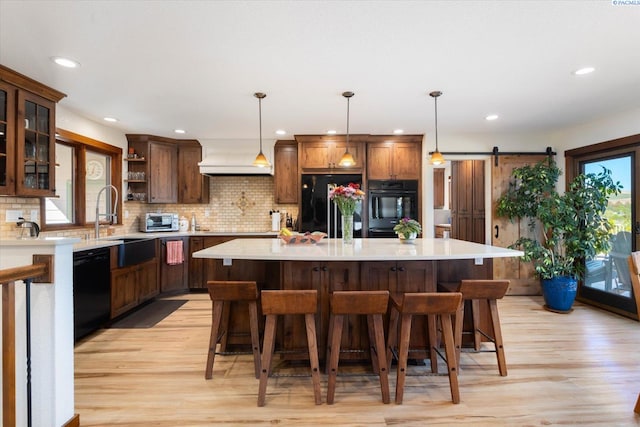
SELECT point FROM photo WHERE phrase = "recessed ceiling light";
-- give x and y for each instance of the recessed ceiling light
(110, 119)
(281, 132)
(65, 62)
(331, 132)
(398, 131)
(180, 131)
(583, 71)
(491, 117)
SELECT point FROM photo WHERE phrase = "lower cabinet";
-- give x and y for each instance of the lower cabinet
(400, 277)
(131, 286)
(325, 277)
(173, 277)
(202, 269)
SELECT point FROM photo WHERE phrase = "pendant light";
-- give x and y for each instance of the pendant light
(436, 157)
(261, 160)
(347, 159)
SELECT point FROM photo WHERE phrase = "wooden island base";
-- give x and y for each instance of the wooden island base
(329, 276)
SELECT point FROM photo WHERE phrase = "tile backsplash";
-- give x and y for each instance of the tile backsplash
(236, 204)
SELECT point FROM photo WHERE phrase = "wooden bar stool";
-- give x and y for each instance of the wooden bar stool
(282, 302)
(221, 293)
(436, 306)
(373, 304)
(478, 291)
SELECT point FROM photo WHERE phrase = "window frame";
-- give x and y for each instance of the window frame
(81, 144)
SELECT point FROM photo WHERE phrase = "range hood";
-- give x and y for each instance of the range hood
(234, 156)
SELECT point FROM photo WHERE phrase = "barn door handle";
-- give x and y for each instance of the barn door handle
(497, 231)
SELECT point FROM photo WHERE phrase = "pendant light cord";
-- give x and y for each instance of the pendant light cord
(436, 100)
(260, 121)
(348, 100)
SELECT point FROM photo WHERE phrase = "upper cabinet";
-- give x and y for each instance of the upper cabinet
(159, 167)
(394, 157)
(323, 152)
(193, 187)
(286, 172)
(27, 136)
(163, 172)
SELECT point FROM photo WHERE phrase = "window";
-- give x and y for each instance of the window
(83, 168)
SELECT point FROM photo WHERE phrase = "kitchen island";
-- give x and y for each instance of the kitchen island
(367, 264)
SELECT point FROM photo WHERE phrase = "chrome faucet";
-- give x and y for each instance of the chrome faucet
(113, 216)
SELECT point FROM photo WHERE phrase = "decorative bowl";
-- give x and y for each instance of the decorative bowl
(303, 238)
(407, 237)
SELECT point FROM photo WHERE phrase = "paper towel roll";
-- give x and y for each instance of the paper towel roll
(275, 221)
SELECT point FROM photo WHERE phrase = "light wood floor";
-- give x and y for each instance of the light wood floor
(576, 369)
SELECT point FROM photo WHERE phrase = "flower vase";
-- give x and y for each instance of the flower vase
(347, 229)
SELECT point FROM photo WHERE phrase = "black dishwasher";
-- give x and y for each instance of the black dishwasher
(91, 291)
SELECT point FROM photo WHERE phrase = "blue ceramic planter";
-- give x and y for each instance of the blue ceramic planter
(559, 292)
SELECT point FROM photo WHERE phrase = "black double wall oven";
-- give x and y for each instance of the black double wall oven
(389, 202)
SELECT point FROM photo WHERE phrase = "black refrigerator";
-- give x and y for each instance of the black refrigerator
(318, 213)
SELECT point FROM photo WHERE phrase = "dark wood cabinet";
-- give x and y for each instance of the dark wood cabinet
(173, 277)
(401, 277)
(148, 286)
(394, 157)
(325, 277)
(162, 164)
(193, 187)
(166, 170)
(286, 172)
(131, 286)
(196, 265)
(322, 153)
(467, 201)
(203, 269)
(27, 136)
(123, 290)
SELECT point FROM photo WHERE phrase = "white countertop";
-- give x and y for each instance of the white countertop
(40, 241)
(390, 249)
(85, 245)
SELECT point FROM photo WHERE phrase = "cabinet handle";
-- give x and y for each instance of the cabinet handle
(497, 231)
(394, 269)
(401, 268)
(324, 269)
(316, 269)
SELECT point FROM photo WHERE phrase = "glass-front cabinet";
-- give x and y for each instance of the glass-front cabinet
(7, 153)
(27, 135)
(36, 134)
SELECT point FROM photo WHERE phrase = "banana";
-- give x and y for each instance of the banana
(285, 231)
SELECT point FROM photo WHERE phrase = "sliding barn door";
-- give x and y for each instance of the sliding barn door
(504, 232)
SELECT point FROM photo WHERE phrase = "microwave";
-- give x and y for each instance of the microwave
(154, 222)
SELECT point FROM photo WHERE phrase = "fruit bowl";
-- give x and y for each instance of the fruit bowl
(302, 238)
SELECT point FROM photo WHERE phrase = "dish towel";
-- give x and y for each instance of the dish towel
(174, 252)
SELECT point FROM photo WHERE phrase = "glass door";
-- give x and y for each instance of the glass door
(35, 146)
(7, 139)
(607, 281)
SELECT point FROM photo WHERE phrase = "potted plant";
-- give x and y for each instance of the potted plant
(407, 229)
(565, 229)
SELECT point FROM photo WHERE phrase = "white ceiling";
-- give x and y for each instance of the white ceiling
(161, 65)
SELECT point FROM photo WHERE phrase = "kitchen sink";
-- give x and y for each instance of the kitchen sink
(134, 250)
